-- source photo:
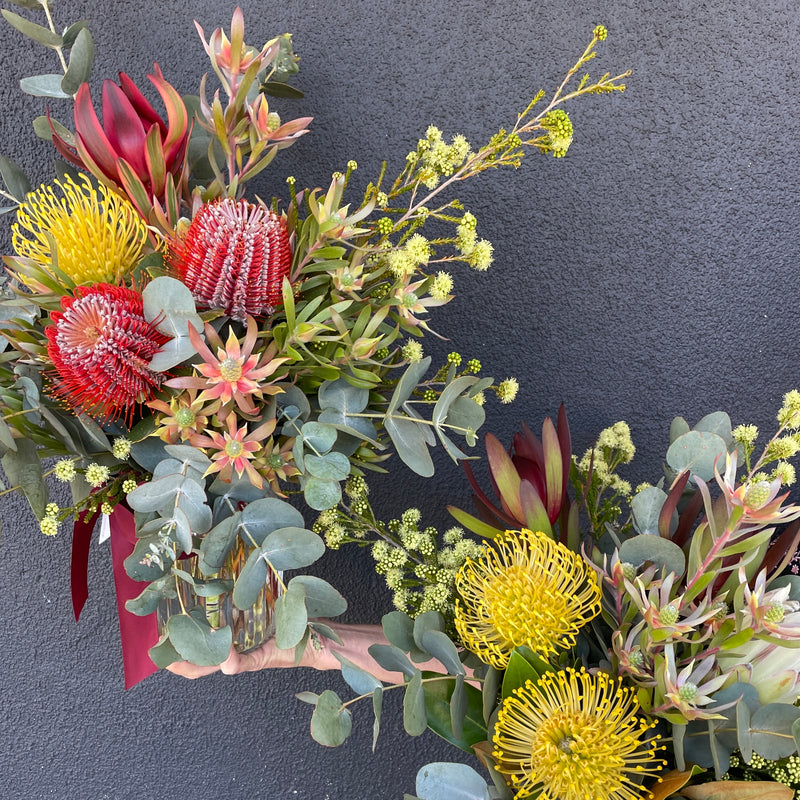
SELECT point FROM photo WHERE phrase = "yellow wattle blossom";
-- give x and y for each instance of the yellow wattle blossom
(575, 736)
(98, 235)
(526, 589)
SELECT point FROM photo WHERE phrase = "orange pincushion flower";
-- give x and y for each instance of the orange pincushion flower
(100, 345)
(234, 256)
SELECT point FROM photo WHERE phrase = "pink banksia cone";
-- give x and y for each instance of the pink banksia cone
(100, 345)
(234, 256)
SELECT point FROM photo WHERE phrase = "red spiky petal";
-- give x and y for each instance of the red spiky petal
(234, 256)
(100, 345)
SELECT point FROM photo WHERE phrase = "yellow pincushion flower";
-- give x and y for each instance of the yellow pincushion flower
(525, 590)
(98, 235)
(575, 736)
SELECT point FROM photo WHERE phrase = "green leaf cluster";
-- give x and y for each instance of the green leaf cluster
(744, 724)
(184, 550)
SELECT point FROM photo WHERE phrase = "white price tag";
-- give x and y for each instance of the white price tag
(105, 528)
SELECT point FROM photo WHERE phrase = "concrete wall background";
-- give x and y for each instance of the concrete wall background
(652, 272)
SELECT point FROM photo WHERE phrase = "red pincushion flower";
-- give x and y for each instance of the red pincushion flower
(234, 256)
(100, 345)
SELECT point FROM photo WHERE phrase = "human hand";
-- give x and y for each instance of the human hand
(268, 656)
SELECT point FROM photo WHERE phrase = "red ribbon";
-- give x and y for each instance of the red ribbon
(138, 634)
(81, 539)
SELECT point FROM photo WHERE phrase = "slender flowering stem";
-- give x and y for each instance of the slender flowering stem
(403, 685)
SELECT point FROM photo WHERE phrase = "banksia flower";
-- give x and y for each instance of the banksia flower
(100, 346)
(234, 256)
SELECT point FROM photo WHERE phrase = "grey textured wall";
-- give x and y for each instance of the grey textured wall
(651, 272)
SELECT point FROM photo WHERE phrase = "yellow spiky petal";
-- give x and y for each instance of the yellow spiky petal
(98, 235)
(525, 590)
(575, 736)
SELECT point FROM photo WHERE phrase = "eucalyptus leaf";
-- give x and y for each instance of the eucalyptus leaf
(360, 428)
(191, 456)
(331, 722)
(664, 553)
(266, 515)
(219, 541)
(292, 548)
(391, 658)
(466, 413)
(446, 781)
(438, 704)
(23, 469)
(143, 570)
(163, 653)
(282, 90)
(717, 422)
(44, 86)
(322, 494)
(26, 3)
(172, 353)
(342, 396)
(321, 599)
(332, 466)
(318, 436)
(147, 602)
(169, 305)
(6, 436)
(358, 679)
(427, 621)
(407, 383)
(458, 707)
(490, 691)
(415, 718)
(156, 494)
(290, 617)
(677, 428)
(646, 507)
(410, 443)
(14, 178)
(441, 647)
(196, 640)
(182, 530)
(449, 395)
(71, 33)
(32, 30)
(238, 488)
(81, 58)
(191, 501)
(743, 739)
(771, 730)
(148, 452)
(377, 707)
(699, 452)
(252, 579)
(294, 396)
(325, 630)
(398, 628)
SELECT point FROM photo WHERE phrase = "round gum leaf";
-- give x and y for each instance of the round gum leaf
(661, 552)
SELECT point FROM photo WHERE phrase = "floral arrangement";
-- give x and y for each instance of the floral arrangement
(605, 642)
(215, 363)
